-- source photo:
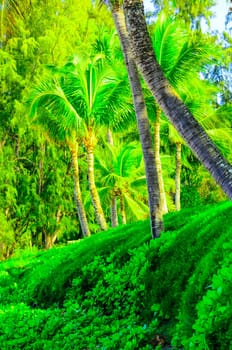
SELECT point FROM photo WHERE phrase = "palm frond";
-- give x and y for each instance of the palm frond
(222, 137)
(96, 91)
(139, 182)
(114, 106)
(192, 56)
(167, 39)
(128, 161)
(178, 52)
(53, 109)
(136, 209)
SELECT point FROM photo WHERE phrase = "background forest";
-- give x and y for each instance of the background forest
(71, 162)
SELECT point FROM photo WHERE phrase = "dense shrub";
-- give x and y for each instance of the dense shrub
(119, 290)
(213, 324)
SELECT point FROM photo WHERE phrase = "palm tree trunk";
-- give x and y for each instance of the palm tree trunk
(92, 186)
(177, 175)
(143, 124)
(114, 212)
(113, 204)
(73, 146)
(163, 201)
(173, 107)
(122, 209)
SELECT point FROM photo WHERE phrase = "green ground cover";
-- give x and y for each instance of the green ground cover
(119, 290)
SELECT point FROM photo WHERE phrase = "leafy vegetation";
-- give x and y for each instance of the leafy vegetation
(74, 163)
(60, 178)
(121, 290)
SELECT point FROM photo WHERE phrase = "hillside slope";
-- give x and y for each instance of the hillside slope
(120, 290)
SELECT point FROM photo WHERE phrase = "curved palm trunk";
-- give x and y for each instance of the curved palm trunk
(177, 175)
(73, 147)
(92, 186)
(143, 124)
(174, 108)
(163, 201)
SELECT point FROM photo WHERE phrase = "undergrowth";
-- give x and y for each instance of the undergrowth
(121, 290)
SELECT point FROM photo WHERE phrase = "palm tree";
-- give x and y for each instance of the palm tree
(103, 105)
(142, 121)
(121, 171)
(57, 117)
(174, 108)
(181, 59)
(93, 96)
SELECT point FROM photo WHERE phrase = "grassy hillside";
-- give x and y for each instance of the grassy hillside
(120, 290)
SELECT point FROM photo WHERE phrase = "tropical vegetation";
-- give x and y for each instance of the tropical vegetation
(121, 290)
(115, 164)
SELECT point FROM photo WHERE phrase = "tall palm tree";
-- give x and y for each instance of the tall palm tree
(104, 104)
(94, 96)
(142, 121)
(174, 108)
(181, 59)
(55, 114)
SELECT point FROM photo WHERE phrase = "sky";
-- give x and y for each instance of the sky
(217, 23)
